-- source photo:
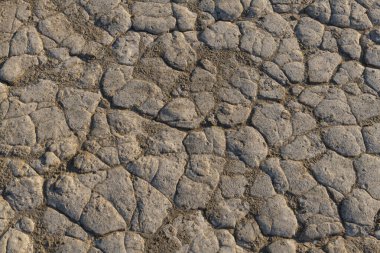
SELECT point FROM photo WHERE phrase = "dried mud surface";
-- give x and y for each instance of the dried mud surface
(195, 126)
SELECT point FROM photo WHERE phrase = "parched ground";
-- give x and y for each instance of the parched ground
(189, 126)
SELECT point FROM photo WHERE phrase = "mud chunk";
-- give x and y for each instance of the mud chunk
(100, 217)
(68, 195)
(221, 35)
(180, 112)
(322, 65)
(25, 193)
(335, 171)
(275, 218)
(248, 145)
(155, 18)
(228, 9)
(273, 121)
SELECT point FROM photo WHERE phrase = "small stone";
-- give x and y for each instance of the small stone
(191, 194)
(200, 236)
(374, 35)
(258, 8)
(162, 172)
(58, 224)
(336, 245)
(204, 101)
(114, 78)
(359, 19)
(201, 177)
(90, 180)
(116, 21)
(49, 161)
(244, 81)
(160, 73)
(294, 71)
(10, 9)
(78, 107)
(86, 162)
(202, 79)
(320, 215)
(196, 142)
(66, 148)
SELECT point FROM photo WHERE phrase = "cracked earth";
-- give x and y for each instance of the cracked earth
(226, 126)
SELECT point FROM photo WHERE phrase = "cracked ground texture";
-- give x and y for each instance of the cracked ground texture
(200, 126)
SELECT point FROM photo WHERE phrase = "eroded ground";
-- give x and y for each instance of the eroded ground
(190, 126)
